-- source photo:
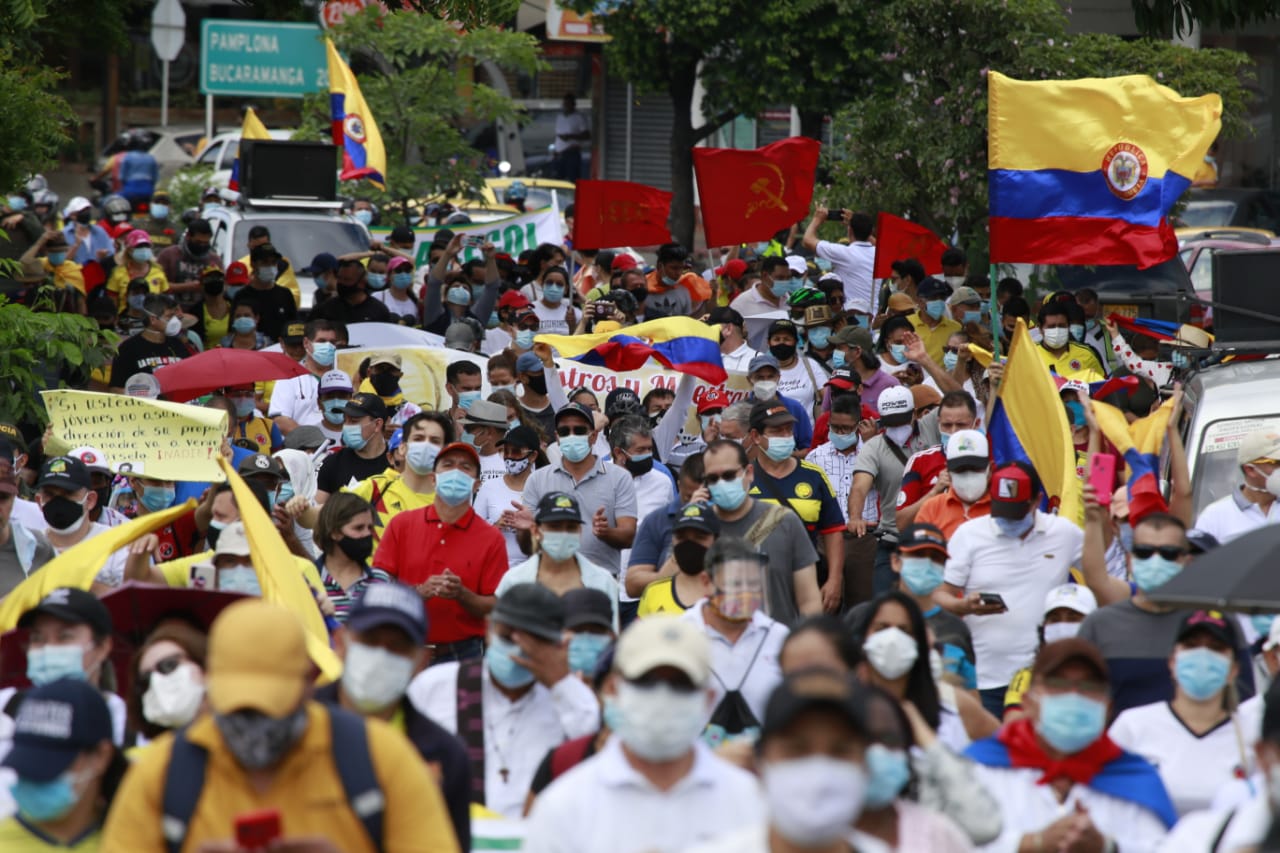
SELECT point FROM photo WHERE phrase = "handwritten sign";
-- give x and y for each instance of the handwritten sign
(154, 438)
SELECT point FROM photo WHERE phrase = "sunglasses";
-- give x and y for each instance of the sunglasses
(164, 667)
(1169, 552)
(728, 477)
(565, 432)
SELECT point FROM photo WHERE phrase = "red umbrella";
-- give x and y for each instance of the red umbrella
(216, 368)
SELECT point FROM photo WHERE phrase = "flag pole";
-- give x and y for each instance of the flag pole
(995, 317)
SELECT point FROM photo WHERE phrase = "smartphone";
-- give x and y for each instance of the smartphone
(204, 576)
(472, 241)
(256, 830)
(1102, 476)
(992, 598)
(835, 214)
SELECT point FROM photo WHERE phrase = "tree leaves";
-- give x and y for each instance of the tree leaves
(43, 349)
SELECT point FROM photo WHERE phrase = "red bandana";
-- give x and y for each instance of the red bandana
(1019, 736)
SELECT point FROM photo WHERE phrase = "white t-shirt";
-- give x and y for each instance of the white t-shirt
(492, 500)
(297, 398)
(854, 264)
(569, 125)
(740, 359)
(495, 341)
(551, 321)
(1021, 571)
(492, 467)
(395, 304)
(797, 384)
(1193, 768)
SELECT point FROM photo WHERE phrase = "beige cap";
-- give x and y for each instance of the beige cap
(901, 302)
(663, 640)
(1261, 444)
(1192, 337)
(391, 358)
(232, 541)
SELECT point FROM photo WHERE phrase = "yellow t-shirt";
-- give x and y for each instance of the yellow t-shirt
(389, 496)
(1078, 362)
(118, 283)
(658, 597)
(65, 274)
(18, 837)
(215, 328)
(935, 337)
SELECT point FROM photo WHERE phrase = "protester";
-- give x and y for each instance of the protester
(414, 486)
(345, 533)
(589, 623)
(364, 447)
(968, 491)
(1253, 504)
(295, 401)
(1065, 609)
(695, 530)
(521, 456)
(168, 672)
(67, 498)
(155, 346)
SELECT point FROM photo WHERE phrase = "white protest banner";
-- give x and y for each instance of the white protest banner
(512, 235)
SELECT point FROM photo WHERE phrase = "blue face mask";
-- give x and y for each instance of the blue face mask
(819, 337)
(780, 447)
(353, 436)
(135, 301)
(1075, 413)
(239, 579)
(41, 802)
(1069, 722)
(454, 486)
(505, 671)
(244, 406)
(467, 399)
(1201, 672)
(972, 317)
(376, 280)
(524, 338)
(944, 437)
(49, 663)
(1153, 572)
(560, 545)
(243, 325)
(1262, 623)
(669, 281)
(421, 456)
(837, 359)
(935, 308)
(233, 289)
(575, 447)
(402, 280)
(863, 321)
(921, 575)
(364, 217)
(334, 411)
(57, 259)
(462, 296)
(585, 651)
(16, 203)
(323, 353)
(477, 290)
(552, 294)
(950, 360)
(142, 254)
(1076, 330)
(267, 275)
(728, 495)
(160, 211)
(843, 442)
(1179, 358)
(887, 774)
(1015, 528)
(780, 289)
(899, 352)
(156, 498)
(285, 493)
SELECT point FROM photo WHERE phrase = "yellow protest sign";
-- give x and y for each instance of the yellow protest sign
(167, 441)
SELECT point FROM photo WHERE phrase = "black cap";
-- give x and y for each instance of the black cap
(14, 435)
(53, 725)
(724, 314)
(621, 401)
(1201, 542)
(921, 537)
(532, 608)
(77, 606)
(1215, 623)
(587, 606)
(697, 516)
(294, 333)
(770, 414)
(261, 463)
(809, 690)
(323, 262)
(264, 252)
(580, 410)
(390, 604)
(558, 506)
(401, 234)
(365, 404)
(64, 472)
(521, 436)
(305, 437)
(783, 326)
(933, 288)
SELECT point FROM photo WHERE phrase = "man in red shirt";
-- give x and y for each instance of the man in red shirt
(450, 555)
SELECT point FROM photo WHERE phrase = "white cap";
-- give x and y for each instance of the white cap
(663, 640)
(1259, 444)
(797, 264)
(966, 445)
(335, 380)
(896, 400)
(233, 541)
(1081, 388)
(93, 459)
(75, 205)
(1072, 596)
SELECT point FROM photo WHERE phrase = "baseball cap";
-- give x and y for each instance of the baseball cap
(1072, 596)
(558, 506)
(294, 333)
(901, 302)
(784, 326)
(76, 606)
(764, 360)
(714, 399)
(1053, 656)
(335, 380)
(237, 273)
(587, 606)
(137, 237)
(818, 315)
(13, 434)
(621, 400)
(968, 449)
(261, 463)
(389, 358)
(264, 252)
(853, 336)
(811, 690)
(64, 472)
(233, 541)
(532, 608)
(1010, 492)
(365, 404)
(844, 379)
(725, 314)
(76, 205)
(397, 261)
(529, 363)
(523, 437)
(257, 659)
(896, 405)
(323, 262)
(1215, 623)
(94, 460)
(1259, 445)
(486, 413)
(922, 537)
(460, 446)
(662, 640)
(697, 516)
(459, 335)
(734, 269)
(390, 604)
(305, 437)
(623, 262)
(932, 288)
(579, 410)
(965, 295)
(1201, 542)
(53, 725)
(397, 439)
(513, 299)
(770, 414)
(797, 264)
(401, 234)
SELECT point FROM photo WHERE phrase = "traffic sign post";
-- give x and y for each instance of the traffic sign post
(168, 33)
(261, 58)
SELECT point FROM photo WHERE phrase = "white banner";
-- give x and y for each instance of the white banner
(512, 235)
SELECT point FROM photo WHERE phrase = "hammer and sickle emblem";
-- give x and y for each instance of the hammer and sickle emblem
(762, 186)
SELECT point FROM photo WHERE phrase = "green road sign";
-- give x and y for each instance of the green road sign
(261, 58)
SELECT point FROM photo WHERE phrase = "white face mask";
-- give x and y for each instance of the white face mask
(1055, 631)
(1056, 338)
(173, 700)
(173, 326)
(813, 800)
(764, 390)
(657, 723)
(892, 652)
(899, 435)
(373, 678)
(969, 486)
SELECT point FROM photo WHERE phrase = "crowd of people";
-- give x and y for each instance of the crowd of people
(807, 610)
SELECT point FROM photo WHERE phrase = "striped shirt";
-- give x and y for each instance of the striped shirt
(343, 599)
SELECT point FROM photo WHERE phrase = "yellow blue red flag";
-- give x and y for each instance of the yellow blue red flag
(680, 343)
(1029, 424)
(1086, 171)
(1140, 443)
(253, 128)
(354, 130)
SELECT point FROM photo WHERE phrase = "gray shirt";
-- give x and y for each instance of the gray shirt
(605, 485)
(880, 460)
(789, 550)
(11, 573)
(1136, 644)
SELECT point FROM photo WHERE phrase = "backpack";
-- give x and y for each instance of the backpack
(184, 779)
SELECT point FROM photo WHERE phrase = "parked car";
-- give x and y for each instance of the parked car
(1160, 292)
(1197, 248)
(1223, 207)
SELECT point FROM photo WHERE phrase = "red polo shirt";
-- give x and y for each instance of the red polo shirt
(417, 545)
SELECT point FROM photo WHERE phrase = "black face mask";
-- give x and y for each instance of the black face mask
(783, 352)
(386, 384)
(104, 496)
(84, 217)
(211, 536)
(213, 288)
(536, 384)
(690, 556)
(357, 549)
(197, 250)
(61, 512)
(348, 291)
(639, 467)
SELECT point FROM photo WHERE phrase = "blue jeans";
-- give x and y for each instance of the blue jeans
(627, 612)
(569, 164)
(883, 577)
(993, 700)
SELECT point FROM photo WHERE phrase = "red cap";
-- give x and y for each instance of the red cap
(622, 263)
(734, 269)
(237, 273)
(137, 237)
(120, 230)
(713, 399)
(397, 261)
(1010, 484)
(513, 299)
(460, 446)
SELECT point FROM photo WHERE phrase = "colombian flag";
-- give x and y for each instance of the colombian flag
(354, 130)
(253, 128)
(680, 343)
(1029, 424)
(1140, 443)
(1086, 171)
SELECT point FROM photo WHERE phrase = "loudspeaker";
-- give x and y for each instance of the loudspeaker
(306, 171)
(1250, 280)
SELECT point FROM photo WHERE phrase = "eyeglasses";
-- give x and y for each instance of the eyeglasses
(565, 432)
(955, 350)
(1169, 552)
(727, 476)
(164, 667)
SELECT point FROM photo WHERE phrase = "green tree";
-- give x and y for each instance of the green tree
(1163, 17)
(918, 149)
(414, 74)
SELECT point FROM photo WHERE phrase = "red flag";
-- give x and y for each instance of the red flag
(898, 239)
(619, 213)
(752, 195)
